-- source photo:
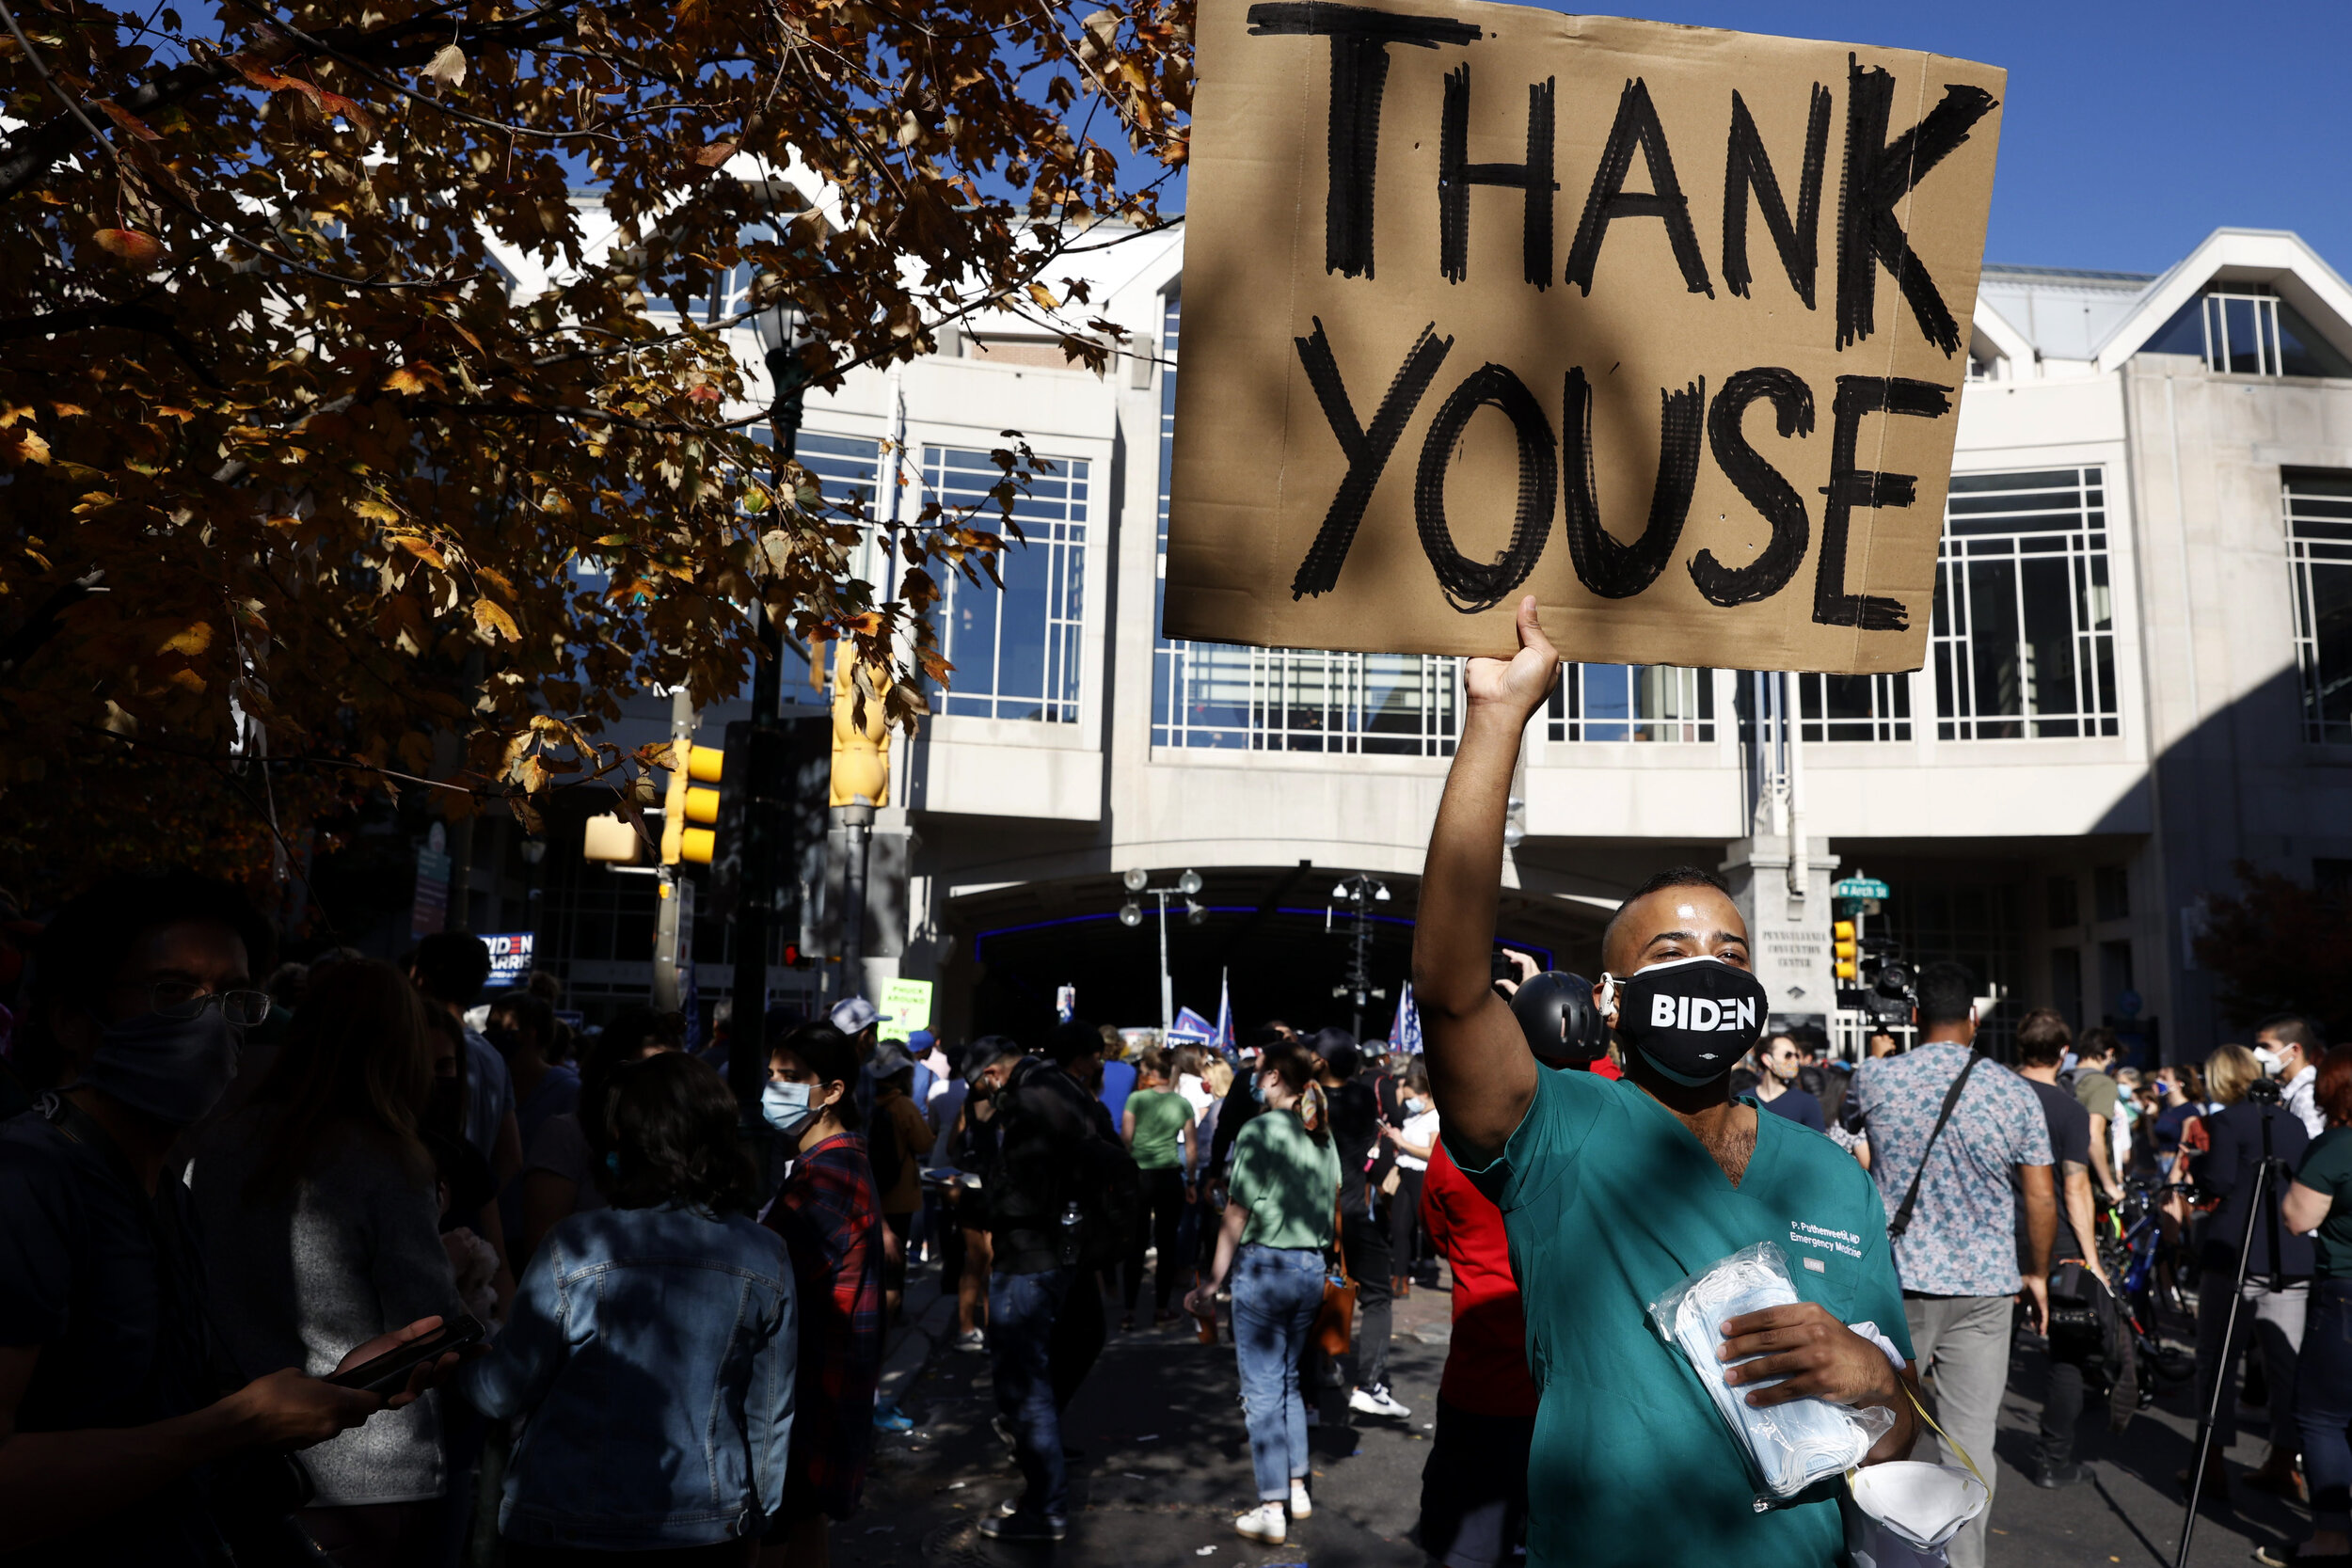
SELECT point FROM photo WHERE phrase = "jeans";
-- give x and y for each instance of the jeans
(1022, 1310)
(2323, 1403)
(1276, 1292)
(1364, 1243)
(1964, 1340)
(2274, 1320)
(1157, 1222)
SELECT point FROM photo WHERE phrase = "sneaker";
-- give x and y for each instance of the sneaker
(972, 1339)
(1025, 1530)
(1374, 1400)
(1262, 1524)
(1301, 1504)
(2051, 1476)
(889, 1418)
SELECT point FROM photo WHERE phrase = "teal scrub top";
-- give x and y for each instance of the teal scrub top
(1610, 1201)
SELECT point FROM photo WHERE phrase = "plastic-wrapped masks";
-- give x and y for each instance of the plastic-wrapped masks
(1788, 1447)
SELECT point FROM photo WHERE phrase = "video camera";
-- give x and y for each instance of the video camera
(1887, 992)
(2265, 1091)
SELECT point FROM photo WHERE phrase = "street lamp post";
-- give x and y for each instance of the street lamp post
(535, 850)
(1131, 915)
(1357, 891)
(784, 340)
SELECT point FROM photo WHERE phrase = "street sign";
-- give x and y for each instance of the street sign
(1861, 887)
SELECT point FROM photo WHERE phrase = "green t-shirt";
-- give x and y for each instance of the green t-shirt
(1286, 1180)
(2327, 1168)
(1610, 1201)
(1161, 1118)
(2097, 1093)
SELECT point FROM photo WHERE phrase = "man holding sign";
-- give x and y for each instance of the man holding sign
(1613, 1192)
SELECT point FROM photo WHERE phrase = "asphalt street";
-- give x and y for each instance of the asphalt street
(1164, 1466)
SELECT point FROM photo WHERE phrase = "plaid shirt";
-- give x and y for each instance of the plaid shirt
(831, 1226)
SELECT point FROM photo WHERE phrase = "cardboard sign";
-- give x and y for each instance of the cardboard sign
(1663, 324)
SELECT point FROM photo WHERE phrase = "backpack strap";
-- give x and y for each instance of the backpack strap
(1902, 1222)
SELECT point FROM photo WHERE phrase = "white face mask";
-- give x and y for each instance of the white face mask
(787, 1107)
(2271, 1061)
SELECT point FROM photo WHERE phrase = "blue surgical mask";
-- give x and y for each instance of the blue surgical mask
(787, 1107)
(174, 1070)
(1257, 1088)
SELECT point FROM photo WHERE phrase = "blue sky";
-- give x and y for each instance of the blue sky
(2130, 131)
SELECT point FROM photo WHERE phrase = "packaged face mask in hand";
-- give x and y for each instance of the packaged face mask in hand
(1788, 1447)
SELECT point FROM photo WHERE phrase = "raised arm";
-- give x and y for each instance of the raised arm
(1480, 1071)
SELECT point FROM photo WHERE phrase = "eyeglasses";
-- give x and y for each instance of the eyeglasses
(183, 999)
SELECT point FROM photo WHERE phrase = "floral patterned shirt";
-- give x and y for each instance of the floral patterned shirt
(1961, 1241)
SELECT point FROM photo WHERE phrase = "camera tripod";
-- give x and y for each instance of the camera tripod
(2269, 1174)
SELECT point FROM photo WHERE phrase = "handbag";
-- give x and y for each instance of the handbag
(1335, 1320)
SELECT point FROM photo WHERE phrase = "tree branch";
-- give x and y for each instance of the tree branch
(131, 317)
(31, 153)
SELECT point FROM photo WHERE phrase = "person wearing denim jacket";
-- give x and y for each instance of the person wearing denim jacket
(1273, 1243)
(650, 1351)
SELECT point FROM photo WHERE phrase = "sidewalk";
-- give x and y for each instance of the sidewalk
(1164, 1465)
(1163, 1461)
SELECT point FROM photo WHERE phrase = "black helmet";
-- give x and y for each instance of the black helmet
(1556, 1013)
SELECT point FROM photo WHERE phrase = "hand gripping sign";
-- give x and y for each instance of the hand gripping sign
(1468, 314)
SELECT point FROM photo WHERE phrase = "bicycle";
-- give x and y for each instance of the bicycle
(2131, 1252)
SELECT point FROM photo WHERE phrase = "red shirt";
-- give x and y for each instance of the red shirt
(1485, 1366)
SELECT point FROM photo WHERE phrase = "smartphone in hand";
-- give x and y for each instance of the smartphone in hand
(387, 1373)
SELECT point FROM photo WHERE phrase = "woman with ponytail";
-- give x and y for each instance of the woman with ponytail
(1283, 1192)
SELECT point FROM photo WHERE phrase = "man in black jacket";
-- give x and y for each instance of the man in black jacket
(1039, 1292)
(1365, 1160)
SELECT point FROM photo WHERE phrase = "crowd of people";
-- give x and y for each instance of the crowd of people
(351, 1264)
(219, 1197)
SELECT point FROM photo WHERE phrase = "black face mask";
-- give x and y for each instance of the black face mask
(502, 1039)
(1690, 1018)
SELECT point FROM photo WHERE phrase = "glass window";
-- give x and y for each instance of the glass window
(1016, 650)
(2066, 909)
(1217, 696)
(1632, 702)
(1855, 707)
(2066, 983)
(2319, 556)
(1292, 700)
(2115, 975)
(2303, 352)
(2024, 628)
(2249, 331)
(727, 291)
(1975, 924)
(2111, 893)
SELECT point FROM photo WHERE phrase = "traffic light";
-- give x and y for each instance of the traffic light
(1847, 953)
(861, 739)
(690, 815)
